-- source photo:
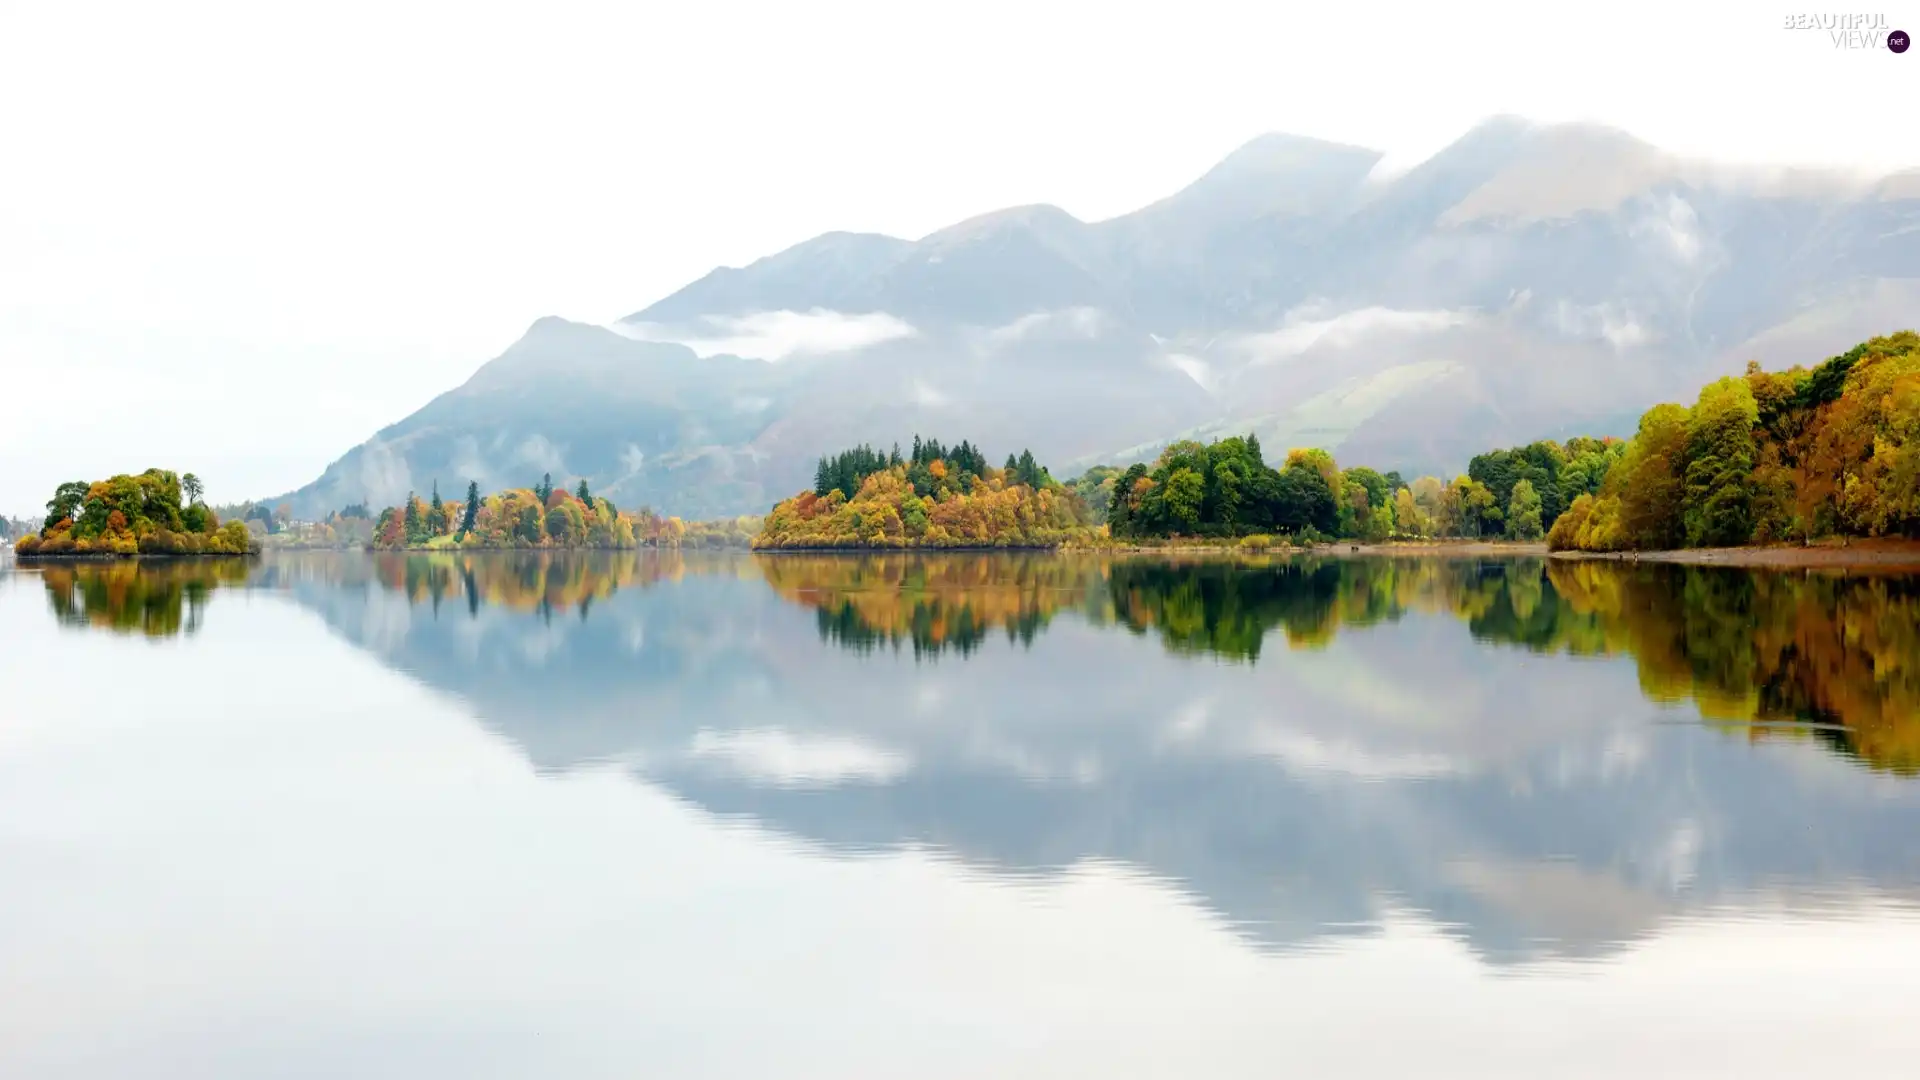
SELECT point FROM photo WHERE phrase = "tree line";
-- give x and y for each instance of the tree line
(1768, 457)
(935, 496)
(1226, 488)
(544, 517)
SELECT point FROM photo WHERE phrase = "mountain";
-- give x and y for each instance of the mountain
(1528, 280)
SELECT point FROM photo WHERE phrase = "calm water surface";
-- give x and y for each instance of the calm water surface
(963, 816)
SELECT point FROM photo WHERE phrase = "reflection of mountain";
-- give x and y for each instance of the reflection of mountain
(1526, 795)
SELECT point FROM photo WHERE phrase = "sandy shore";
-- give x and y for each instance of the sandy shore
(1880, 554)
(1438, 549)
(1902, 555)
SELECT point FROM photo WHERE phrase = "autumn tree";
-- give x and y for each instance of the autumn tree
(66, 502)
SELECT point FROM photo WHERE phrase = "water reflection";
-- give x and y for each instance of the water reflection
(1301, 744)
(1829, 656)
(155, 599)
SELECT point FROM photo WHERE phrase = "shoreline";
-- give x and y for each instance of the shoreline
(1865, 554)
(160, 556)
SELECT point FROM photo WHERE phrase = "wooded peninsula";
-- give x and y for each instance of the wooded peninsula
(1758, 459)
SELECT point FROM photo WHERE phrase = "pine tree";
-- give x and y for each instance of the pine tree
(585, 498)
(1029, 470)
(473, 506)
(822, 479)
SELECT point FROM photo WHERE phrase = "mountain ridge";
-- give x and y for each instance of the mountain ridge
(1526, 278)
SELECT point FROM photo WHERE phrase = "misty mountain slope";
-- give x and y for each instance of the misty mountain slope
(1527, 280)
(647, 422)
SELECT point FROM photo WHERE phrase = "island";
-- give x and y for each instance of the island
(134, 515)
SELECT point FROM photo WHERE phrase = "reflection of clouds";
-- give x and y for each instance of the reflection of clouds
(385, 620)
(1559, 899)
(541, 643)
(780, 757)
(1680, 860)
(1310, 755)
(1035, 765)
(1190, 722)
(929, 696)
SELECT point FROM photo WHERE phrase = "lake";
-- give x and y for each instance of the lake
(664, 815)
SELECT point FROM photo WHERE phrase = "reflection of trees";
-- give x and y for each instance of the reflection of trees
(157, 599)
(1227, 608)
(1835, 655)
(1838, 655)
(537, 582)
(1838, 651)
(936, 602)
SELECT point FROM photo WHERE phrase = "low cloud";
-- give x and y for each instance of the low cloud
(1193, 368)
(1673, 224)
(1612, 323)
(776, 335)
(780, 757)
(1076, 322)
(384, 475)
(539, 452)
(1309, 327)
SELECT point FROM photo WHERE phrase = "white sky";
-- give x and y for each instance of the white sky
(238, 239)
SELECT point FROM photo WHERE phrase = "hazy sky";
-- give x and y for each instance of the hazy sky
(239, 239)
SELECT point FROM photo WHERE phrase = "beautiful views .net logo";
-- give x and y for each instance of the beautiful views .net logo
(1853, 30)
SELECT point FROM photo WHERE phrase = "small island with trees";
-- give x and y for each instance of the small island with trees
(155, 513)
